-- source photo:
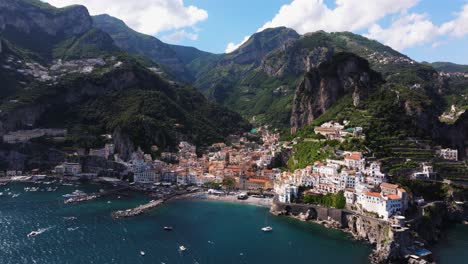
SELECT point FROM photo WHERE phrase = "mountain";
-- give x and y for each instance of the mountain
(345, 74)
(448, 67)
(62, 72)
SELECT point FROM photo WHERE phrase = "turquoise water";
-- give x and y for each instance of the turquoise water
(453, 248)
(213, 232)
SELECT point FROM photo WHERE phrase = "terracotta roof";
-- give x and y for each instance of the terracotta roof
(393, 197)
(354, 156)
(388, 185)
(258, 180)
(374, 194)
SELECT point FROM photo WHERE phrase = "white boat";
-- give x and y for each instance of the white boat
(142, 253)
(76, 193)
(182, 248)
(34, 233)
(267, 229)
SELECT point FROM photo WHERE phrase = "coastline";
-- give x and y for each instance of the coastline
(262, 202)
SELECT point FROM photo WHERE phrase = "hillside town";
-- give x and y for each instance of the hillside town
(248, 165)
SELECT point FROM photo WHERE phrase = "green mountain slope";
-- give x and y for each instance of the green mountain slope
(448, 67)
(77, 78)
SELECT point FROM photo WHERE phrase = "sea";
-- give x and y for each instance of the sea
(211, 232)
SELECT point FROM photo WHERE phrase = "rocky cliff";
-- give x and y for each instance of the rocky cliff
(344, 74)
(29, 16)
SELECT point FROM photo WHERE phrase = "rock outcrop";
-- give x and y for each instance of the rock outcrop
(260, 44)
(30, 16)
(345, 74)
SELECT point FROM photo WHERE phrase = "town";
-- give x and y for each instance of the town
(248, 165)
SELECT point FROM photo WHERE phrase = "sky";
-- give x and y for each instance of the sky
(425, 30)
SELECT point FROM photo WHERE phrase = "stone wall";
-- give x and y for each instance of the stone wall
(310, 212)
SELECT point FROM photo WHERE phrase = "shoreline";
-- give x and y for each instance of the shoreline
(261, 202)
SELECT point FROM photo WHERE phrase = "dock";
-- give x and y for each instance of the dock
(137, 210)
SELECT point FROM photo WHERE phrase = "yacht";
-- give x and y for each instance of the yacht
(267, 229)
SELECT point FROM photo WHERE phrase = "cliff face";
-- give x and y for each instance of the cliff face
(260, 44)
(344, 74)
(27, 17)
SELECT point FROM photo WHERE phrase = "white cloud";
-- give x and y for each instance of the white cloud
(457, 27)
(178, 36)
(146, 16)
(233, 46)
(407, 31)
(348, 15)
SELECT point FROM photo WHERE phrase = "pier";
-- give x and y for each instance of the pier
(136, 211)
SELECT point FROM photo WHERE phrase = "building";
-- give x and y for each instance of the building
(426, 173)
(256, 184)
(287, 193)
(68, 169)
(355, 161)
(449, 154)
(145, 177)
(392, 200)
(383, 206)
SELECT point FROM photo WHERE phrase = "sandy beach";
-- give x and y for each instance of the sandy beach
(231, 198)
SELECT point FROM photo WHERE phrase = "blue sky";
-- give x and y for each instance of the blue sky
(431, 30)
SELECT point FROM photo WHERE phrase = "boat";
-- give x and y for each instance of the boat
(168, 228)
(182, 248)
(267, 229)
(70, 218)
(142, 253)
(76, 193)
(34, 233)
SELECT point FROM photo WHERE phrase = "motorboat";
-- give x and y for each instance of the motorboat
(168, 228)
(267, 229)
(76, 193)
(34, 233)
(142, 253)
(182, 248)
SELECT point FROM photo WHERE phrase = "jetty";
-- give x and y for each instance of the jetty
(93, 196)
(137, 210)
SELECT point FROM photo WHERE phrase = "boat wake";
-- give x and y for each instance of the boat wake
(38, 232)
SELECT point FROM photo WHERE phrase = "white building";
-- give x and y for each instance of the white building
(355, 161)
(145, 177)
(426, 173)
(449, 154)
(383, 206)
(68, 169)
(287, 192)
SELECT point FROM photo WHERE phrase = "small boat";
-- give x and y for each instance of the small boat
(182, 248)
(34, 233)
(70, 218)
(74, 194)
(267, 229)
(142, 253)
(168, 228)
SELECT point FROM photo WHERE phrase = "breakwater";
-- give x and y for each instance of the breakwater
(137, 210)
